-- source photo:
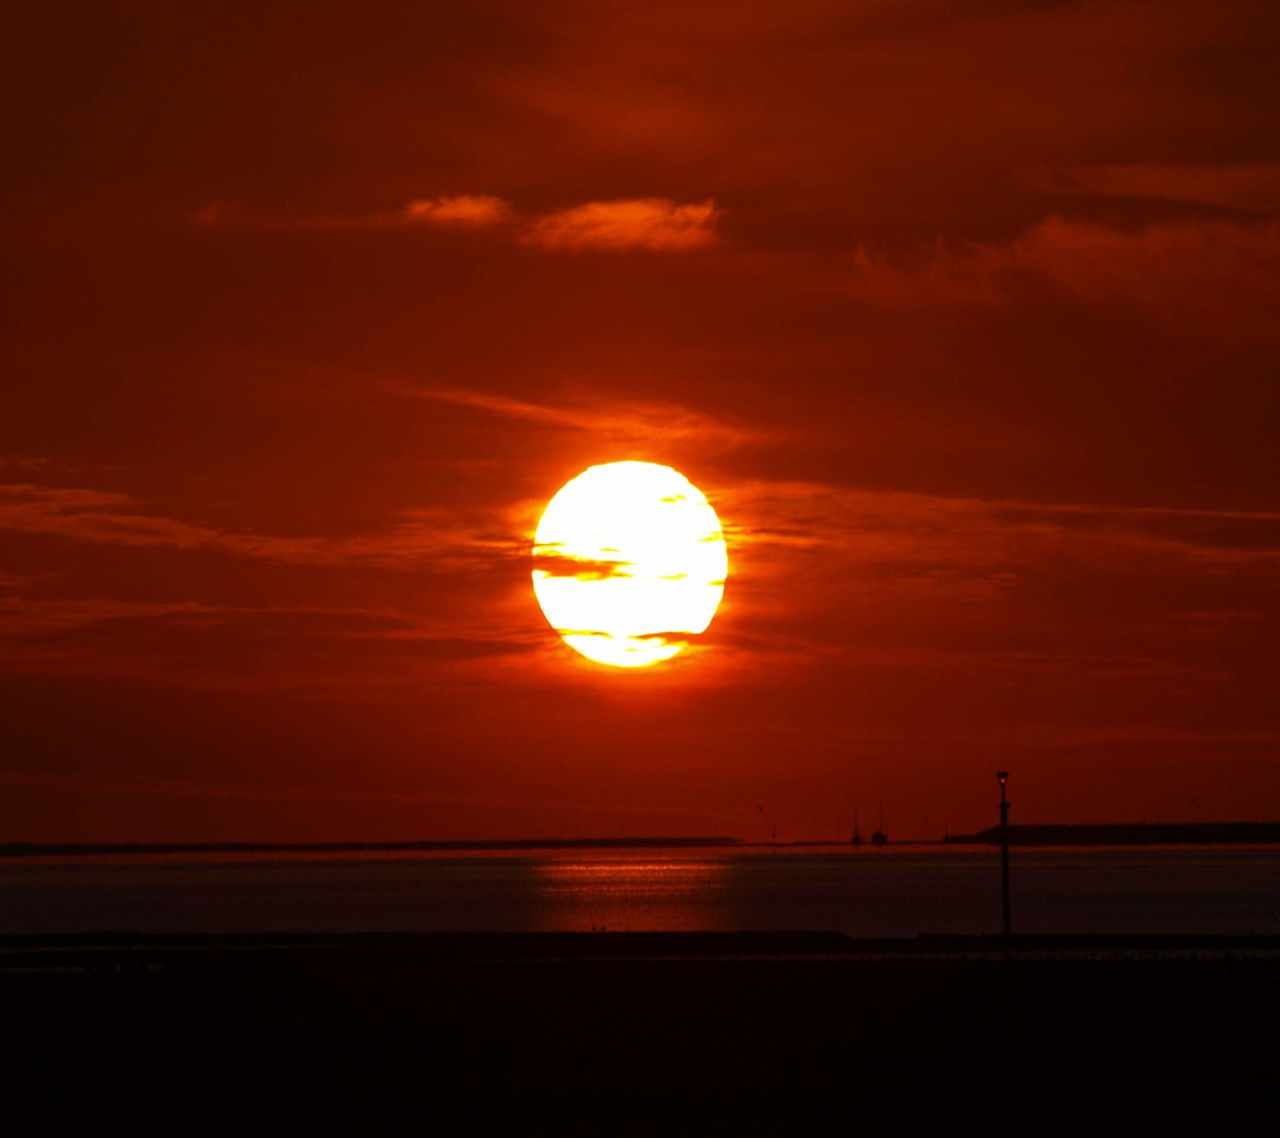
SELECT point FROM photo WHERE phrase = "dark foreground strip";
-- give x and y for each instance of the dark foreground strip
(94, 950)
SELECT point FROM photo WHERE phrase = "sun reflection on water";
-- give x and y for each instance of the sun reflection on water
(648, 895)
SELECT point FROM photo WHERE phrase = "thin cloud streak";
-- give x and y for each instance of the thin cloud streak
(1252, 187)
(552, 563)
(421, 537)
(628, 419)
(465, 210)
(1220, 277)
(908, 542)
(654, 224)
(232, 648)
(780, 514)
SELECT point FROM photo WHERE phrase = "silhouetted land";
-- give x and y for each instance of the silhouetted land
(641, 1033)
(1124, 834)
(102, 849)
(1132, 834)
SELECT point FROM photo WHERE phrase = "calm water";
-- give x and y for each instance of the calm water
(893, 892)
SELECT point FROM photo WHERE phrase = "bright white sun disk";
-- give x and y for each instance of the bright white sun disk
(629, 563)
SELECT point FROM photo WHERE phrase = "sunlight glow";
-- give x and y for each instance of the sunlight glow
(629, 563)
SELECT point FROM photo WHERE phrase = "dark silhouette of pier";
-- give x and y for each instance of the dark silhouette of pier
(1128, 834)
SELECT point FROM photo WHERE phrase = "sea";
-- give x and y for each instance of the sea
(895, 891)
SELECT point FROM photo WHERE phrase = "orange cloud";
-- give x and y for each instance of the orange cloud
(906, 542)
(460, 210)
(1206, 268)
(1250, 186)
(556, 563)
(655, 224)
(418, 537)
(1218, 276)
(616, 419)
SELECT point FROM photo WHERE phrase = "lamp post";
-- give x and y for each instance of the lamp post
(1003, 777)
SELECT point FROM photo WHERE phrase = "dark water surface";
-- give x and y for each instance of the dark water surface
(888, 892)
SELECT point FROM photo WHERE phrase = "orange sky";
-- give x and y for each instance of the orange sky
(963, 315)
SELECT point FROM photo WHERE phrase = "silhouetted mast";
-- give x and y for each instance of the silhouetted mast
(1003, 776)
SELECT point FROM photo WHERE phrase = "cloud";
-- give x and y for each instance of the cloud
(1249, 186)
(21, 617)
(254, 647)
(1216, 275)
(463, 210)
(655, 224)
(905, 543)
(553, 562)
(460, 211)
(419, 538)
(618, 420)
(1209, 271)
(92, 515)
(789, 519)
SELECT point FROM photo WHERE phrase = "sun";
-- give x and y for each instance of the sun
(629, 563)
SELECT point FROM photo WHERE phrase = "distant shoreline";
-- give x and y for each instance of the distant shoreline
(70, 849)
(1118, 834)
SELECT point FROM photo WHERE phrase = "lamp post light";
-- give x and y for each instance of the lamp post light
(1003, 777)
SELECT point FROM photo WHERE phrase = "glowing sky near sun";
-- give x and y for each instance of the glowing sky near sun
(963, 317)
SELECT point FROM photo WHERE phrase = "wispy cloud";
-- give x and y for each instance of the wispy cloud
(20, 616)
(613, 419)
(1213, 275)
(1249, 186)
(655, 224)
(905, 542)
(792, 519)
(459, 211)
(257, 647)
(419, 538)
(465, 210)
(552, 562)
